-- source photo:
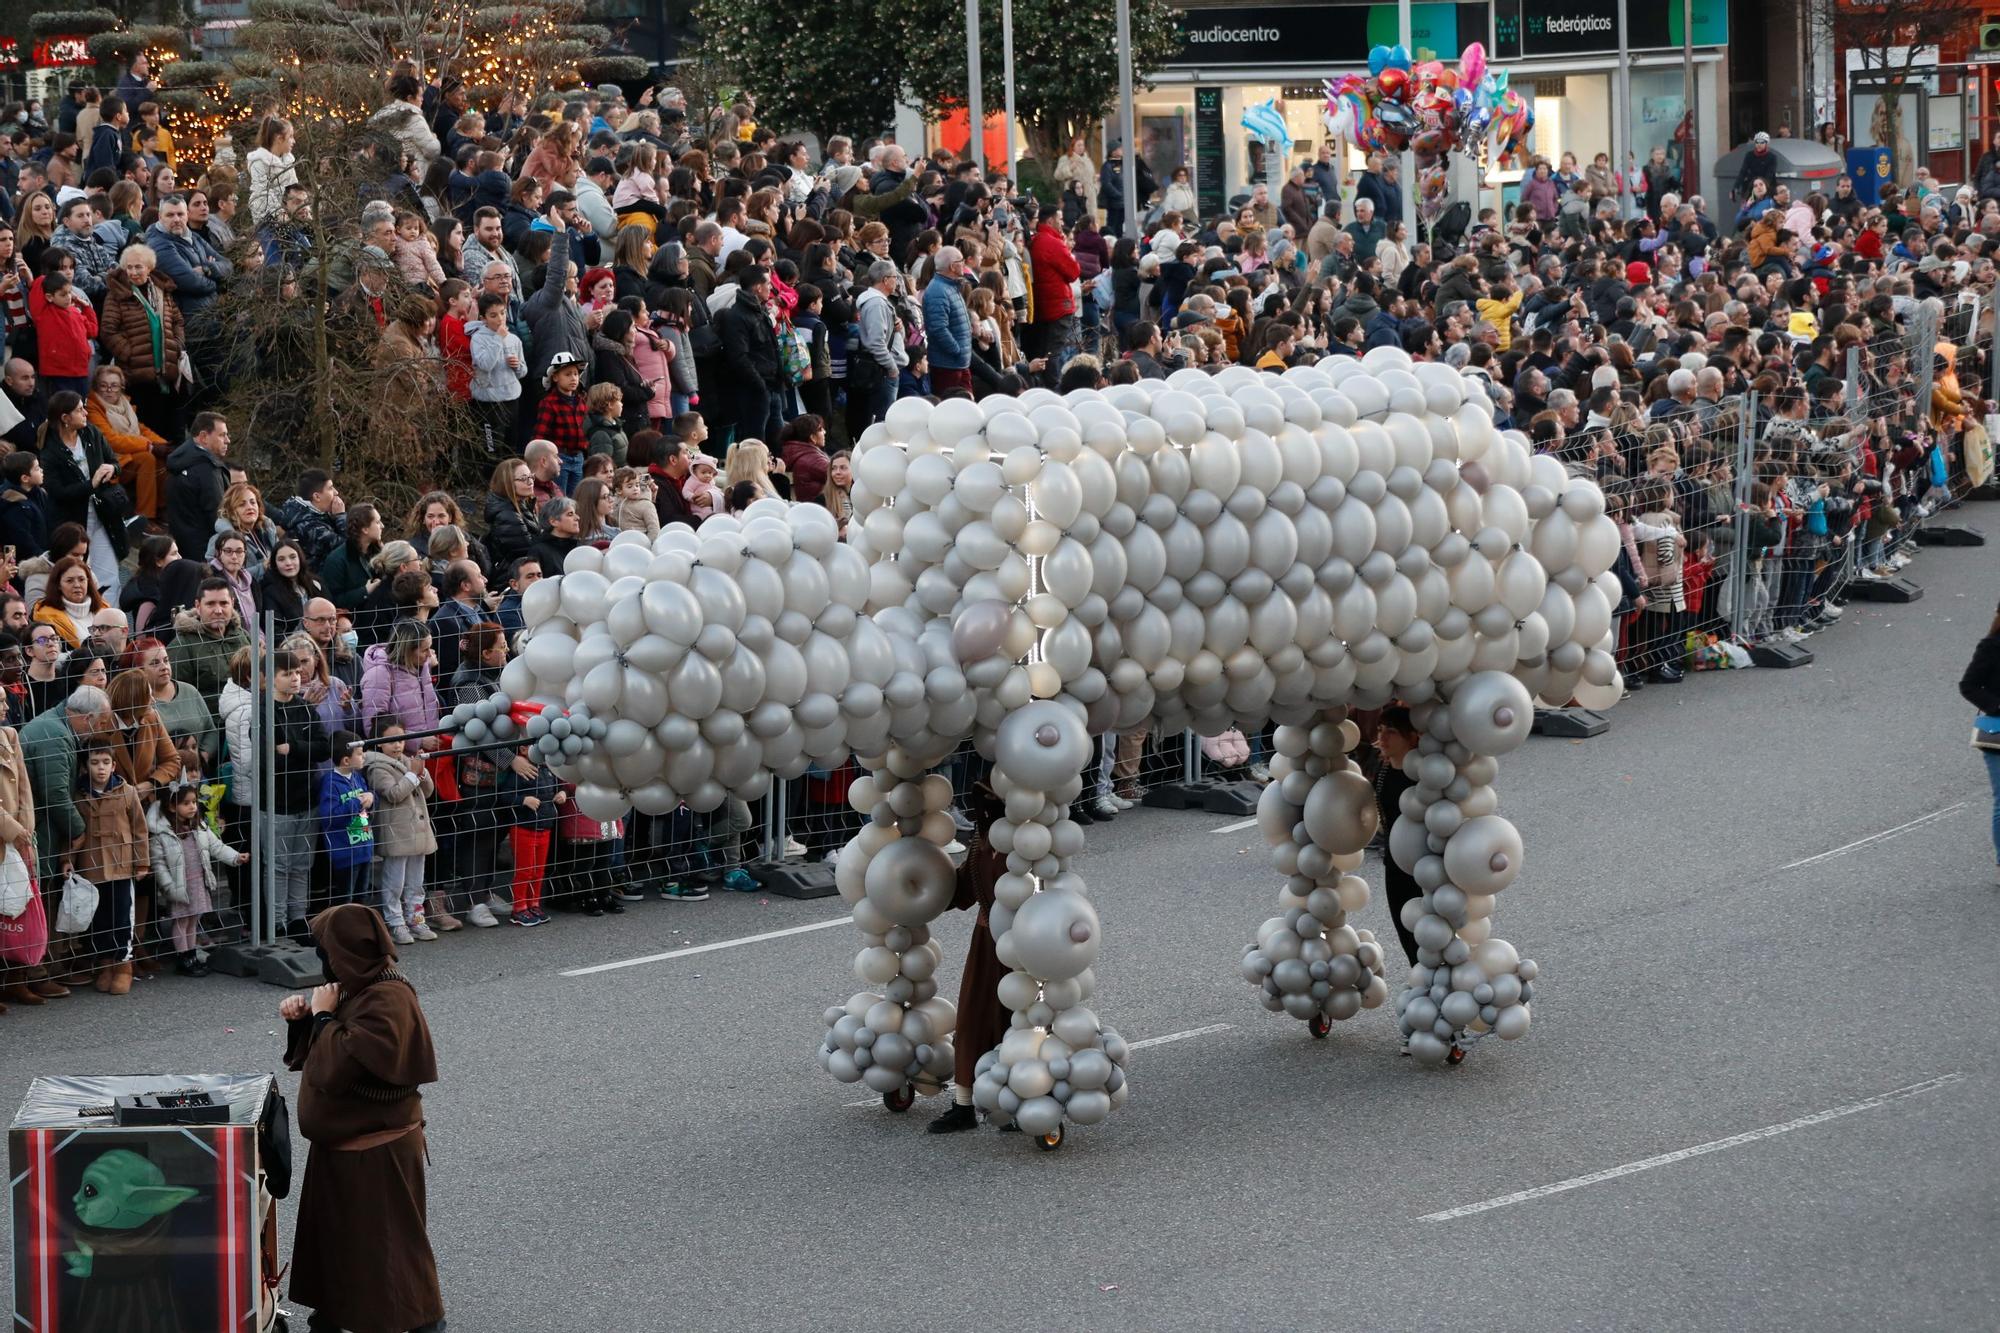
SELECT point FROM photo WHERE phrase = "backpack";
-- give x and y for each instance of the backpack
(794, 354)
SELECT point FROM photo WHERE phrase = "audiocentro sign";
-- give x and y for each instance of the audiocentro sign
(1234, 36)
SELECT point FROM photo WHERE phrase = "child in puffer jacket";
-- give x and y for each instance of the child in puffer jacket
(346, 829)
(186, 852)
(583, 858)
(403, 833)
(1662, 555)
(416, 252)
(533, 803)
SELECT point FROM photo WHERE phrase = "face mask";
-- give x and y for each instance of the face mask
(352, 639)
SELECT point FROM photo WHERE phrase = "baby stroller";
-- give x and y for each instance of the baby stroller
(1448, 234)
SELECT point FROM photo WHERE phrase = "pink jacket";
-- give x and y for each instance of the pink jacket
(652, 357)
(418, 264)
(408, 696)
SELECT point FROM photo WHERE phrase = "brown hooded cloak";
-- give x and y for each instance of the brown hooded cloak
(362, 1257)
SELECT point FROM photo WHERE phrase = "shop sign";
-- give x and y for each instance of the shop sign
(1526, 29)
(1221, 37)
(10, 53)
(55, 52)
(1210, 190)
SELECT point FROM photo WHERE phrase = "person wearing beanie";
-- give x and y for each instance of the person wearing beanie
(1638, 273)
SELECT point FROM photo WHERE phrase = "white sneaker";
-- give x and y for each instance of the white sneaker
(498, 906)
(481, 916)
(1106, 806)
(954, 847)
(1832, 612)
(1259, 773)
(1121, 802)
(423, 932)
(794, 849)
(833, 857)
(401, 934)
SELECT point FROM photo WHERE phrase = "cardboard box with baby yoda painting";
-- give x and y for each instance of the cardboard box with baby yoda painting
(154, 1229)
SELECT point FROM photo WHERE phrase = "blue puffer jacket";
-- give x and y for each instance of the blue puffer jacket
(947, 325)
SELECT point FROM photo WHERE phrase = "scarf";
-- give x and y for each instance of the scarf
(123, 417)
(148, 300)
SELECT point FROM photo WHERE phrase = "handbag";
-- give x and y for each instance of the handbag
(24, 939)
(16, 891)
(79, 905)
(1988, 741)
(1940, 471)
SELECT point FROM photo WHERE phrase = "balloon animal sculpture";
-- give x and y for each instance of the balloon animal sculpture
(1202, 551)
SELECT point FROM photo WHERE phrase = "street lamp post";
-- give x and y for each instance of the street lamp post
(1126, 132)
(1007, 59)
(1409, 158)
(975, 109)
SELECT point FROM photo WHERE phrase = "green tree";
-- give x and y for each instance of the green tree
(822, 65)
(1065, 59)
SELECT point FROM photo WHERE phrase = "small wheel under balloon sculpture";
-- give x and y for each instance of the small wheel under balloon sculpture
(1050, 1141)
(901, 1099)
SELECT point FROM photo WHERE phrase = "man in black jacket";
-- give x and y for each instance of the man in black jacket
(905, 219)
(196, 478)
(750, 353)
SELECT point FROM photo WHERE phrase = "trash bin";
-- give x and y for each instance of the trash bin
(155, 1225)
(1870, 169)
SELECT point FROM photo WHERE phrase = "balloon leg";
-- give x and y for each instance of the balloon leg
(1057, 1061)
(1466, 981)
(1318, 814)
(896, 1033)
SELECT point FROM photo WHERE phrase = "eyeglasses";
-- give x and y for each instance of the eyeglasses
(319, 620)
(43, 640)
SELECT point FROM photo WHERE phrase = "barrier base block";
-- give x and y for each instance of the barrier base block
(1950, 534)
(1231, 798)
(1782, 656)
(1210, 795)
(291, 967)
(1571, 724)
(1897, 590)
(1177, 795)
(241, 959)
(795, 879)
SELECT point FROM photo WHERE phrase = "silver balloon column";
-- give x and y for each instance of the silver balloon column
(1318, 814)
(1465, 981)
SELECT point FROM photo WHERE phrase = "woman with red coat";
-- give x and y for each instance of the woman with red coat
(1055, 268)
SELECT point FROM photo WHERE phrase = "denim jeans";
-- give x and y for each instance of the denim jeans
(292, 841)
(1992, 758)
(570, 473)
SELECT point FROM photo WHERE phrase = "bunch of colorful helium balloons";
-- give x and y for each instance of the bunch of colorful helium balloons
(1428, 108)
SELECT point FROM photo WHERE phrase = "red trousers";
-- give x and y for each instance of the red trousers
(531, 859)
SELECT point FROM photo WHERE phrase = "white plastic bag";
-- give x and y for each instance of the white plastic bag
(79, 905)
(14, 894)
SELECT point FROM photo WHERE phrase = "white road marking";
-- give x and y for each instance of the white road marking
(841, 920)
(1179, 1036)
(1135, 1045)
(1700, 1149)
(1239, 824)
(1883, 836)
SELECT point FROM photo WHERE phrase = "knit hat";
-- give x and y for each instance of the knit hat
(1637, 273)
(845, 179)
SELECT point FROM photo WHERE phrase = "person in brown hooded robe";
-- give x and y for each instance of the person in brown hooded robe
(982, 1019)
(362, 1257)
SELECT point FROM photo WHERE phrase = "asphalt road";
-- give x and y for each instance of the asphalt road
(654, 1147)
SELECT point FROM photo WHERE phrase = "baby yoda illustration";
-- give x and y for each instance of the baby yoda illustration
(121, 1191)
